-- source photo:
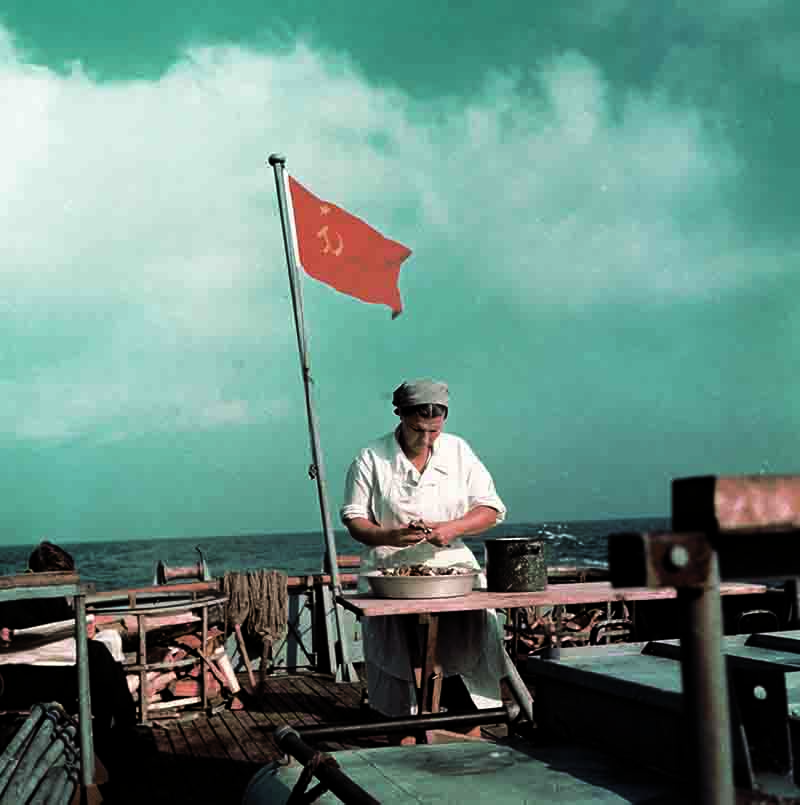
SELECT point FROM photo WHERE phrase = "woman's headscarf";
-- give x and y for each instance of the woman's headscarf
(420, 392)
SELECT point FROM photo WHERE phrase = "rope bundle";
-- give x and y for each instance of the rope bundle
(259, 602)
(236, 587)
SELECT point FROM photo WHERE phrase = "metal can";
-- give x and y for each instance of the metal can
(515, 565)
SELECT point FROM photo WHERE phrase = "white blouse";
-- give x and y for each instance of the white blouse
(382, 485)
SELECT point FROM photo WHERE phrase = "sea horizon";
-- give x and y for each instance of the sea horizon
(522, 524)
(116, 564)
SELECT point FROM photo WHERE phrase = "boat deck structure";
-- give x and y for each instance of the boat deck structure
(199, 757)
(215, 758)
(720, 703)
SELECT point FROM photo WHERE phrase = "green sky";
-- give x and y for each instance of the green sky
(600, 199)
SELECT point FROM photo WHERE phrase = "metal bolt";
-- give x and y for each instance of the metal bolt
(679, 557)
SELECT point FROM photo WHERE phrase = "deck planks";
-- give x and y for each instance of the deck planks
(330, 707)
(226, 737)
(197, 746)
(294, 712)
(180, 746)
(245, 737)
(249, 742)
(214, 745)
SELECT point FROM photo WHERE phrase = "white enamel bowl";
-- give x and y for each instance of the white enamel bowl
(420, 586)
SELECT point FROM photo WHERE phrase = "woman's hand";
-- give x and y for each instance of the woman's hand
(405, 536)
(5, 636)
(441, 534)
(365, 531)
(475, 521)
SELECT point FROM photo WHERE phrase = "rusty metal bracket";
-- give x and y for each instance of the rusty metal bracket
(725, 528)
(736, 503)
(688, 562)
(659, 559)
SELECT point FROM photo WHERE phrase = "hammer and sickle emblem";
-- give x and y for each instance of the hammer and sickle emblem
(327, 246)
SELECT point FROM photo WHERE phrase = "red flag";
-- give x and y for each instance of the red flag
(343, 251)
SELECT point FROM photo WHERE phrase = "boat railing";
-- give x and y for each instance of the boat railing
(69, 585)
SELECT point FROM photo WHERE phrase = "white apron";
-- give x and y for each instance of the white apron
(469, 643)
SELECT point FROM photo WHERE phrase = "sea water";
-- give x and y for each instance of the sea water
(114, 565)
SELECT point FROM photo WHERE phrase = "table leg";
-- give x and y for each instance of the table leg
(431, 687)
(512, 616)
(552, 644)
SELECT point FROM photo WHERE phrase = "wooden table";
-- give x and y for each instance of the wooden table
(429, 609)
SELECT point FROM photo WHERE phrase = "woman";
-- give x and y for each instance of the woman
(409, 497)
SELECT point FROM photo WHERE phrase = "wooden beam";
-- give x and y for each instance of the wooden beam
(48, 579)
(735, 503)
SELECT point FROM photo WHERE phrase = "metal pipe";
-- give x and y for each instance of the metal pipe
(34, 752)
(62, 777)
(64, 794)
(84, 695)
(345, 671)
(144, 694)
(495, 715)
(53, 752)
(51, 785)
(33, 778)
(11, 755)
(203, 649)
(705, 692)
(332, 777)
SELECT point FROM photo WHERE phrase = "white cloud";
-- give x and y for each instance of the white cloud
(581, 202)
(142, 215)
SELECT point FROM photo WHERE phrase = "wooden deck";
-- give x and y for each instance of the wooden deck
(300, 699)
(198, 758)
(211, 759)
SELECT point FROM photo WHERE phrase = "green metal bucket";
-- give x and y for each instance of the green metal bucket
(515, 565)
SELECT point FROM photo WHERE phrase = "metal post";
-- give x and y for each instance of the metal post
(705, 690)
(144, 693)
(345, 669)
(405, 725)
(84, 697)
(203, 649)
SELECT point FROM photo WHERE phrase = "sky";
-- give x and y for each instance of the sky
(600, 198)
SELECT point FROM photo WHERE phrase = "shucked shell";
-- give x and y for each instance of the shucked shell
(425, 570)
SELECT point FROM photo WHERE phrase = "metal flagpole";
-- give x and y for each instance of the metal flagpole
(345, 669)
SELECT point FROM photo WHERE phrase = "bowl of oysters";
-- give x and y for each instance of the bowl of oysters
(421, 581)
